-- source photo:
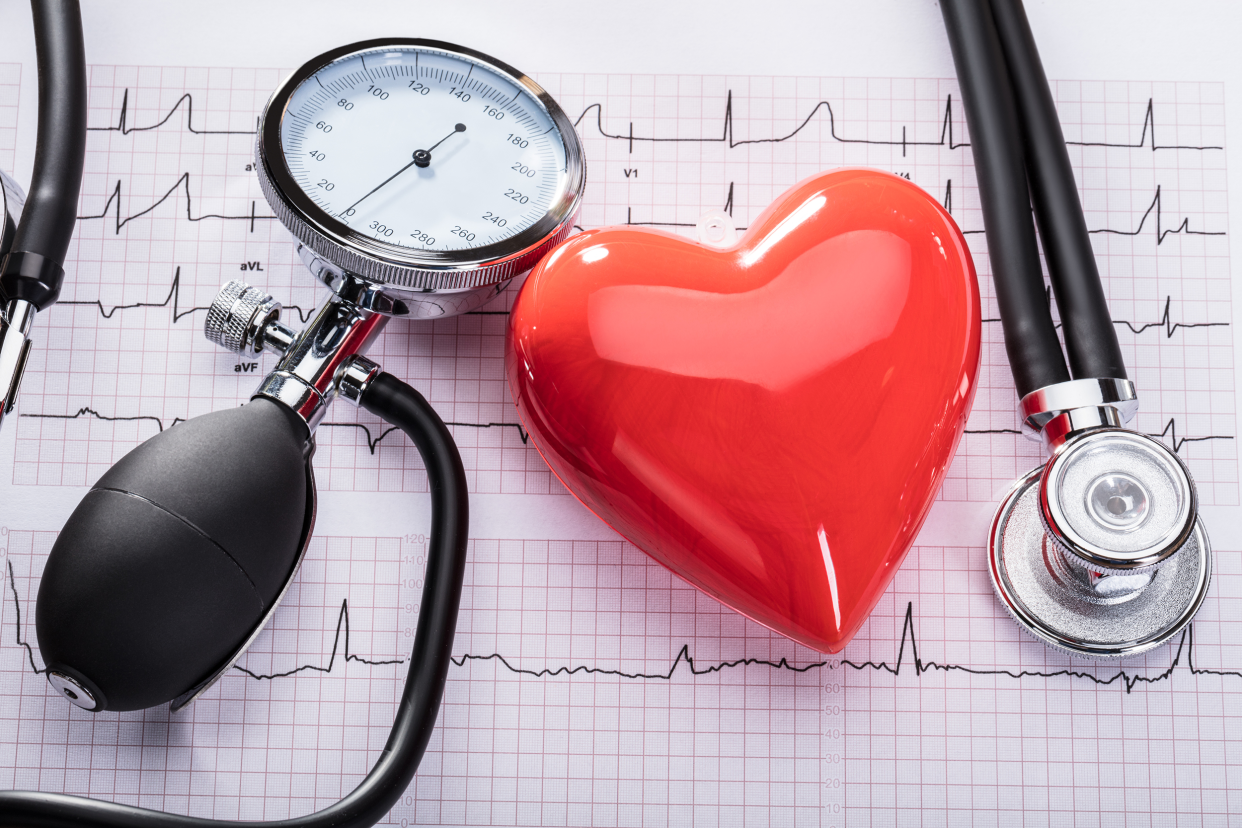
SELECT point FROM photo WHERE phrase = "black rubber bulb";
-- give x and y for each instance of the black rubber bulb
(174, 557)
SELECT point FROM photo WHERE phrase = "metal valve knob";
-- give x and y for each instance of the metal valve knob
(246, 320)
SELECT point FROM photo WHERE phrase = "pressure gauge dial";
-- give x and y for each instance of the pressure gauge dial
(419, 176)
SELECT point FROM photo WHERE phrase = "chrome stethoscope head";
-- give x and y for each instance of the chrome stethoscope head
(1100, 551)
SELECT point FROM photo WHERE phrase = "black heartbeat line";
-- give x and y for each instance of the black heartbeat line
(84, 411)
(1183, 228)
(342, 622)
(1170, 431)
(1169, 326)
(17, 623)
(123, 127)
(373, 442)
(1127, 680)
(629, 217)
(726, 134)
(1166, 322)
(683, 657)
(173, 298)
(1149, 128)
(183, 183)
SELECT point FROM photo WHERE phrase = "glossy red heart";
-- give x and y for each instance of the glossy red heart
(771, 421)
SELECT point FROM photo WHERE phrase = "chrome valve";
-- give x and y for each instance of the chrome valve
(323, 360)
(246, 320)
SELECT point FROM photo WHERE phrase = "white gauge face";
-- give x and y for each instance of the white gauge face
(423, 149)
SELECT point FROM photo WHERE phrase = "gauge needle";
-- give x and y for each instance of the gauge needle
(422, 158)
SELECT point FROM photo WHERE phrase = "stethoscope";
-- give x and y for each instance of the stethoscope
(1098, 552)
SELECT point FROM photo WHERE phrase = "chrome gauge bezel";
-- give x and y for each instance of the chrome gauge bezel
(403, 269)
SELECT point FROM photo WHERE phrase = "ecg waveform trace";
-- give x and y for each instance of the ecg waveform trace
(920, 666)
(342, 622)
(1166, 322)
(183, 183)
(173, 298)
(122, 120)
(727, 138)
(17, 623)
(1147, 136)
(1127, 680)
(1169, 431)
(1157, 227)
(945, 139)
(85, 411)
(374, 441)
(683, 657)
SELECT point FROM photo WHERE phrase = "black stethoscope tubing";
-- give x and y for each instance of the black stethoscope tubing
(1020, 160)
(34, 268)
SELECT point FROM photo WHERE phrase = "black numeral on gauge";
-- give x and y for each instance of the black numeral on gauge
(326, 184)
(377, 92)
(494, 219)
(420, 87)
(516, 196)
(460, 94)
(318, 156)
(381, 229)
(345, 104)
(324, 125)
(420, 236)
(493, 112)
(518, 141)
(458, 230)
(523, 169)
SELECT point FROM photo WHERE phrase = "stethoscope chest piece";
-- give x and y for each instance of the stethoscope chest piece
(1100, 552)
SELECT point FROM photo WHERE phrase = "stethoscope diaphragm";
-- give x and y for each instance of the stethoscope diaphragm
(1100, 552)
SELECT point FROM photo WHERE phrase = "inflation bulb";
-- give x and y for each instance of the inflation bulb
(175, 560)
(175, 557)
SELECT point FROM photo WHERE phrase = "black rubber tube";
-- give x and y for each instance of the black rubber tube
(401, 405)
(1090, 338)
(995, 140)
(35, 268)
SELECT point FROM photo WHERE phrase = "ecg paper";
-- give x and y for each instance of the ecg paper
(589, 685)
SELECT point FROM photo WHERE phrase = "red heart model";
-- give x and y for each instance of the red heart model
(771, 421)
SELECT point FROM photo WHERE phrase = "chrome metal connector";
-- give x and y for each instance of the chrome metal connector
(354, 378)
(315, 365)
(16, 319)
(1055, 413)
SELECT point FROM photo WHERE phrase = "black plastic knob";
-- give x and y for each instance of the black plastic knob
(174, 557)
